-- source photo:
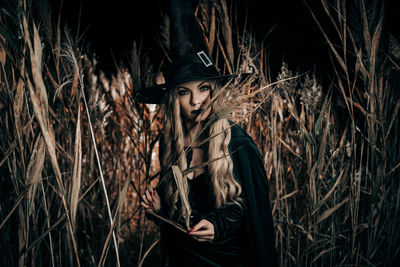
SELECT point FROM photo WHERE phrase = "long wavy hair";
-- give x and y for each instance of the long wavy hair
(220, 167)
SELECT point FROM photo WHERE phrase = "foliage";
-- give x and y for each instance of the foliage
(77, 152)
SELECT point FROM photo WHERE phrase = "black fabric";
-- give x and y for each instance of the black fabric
(188, 52)
(228, 247)
(186, 35)
(244, 234)
(248, 169)
(226, 220)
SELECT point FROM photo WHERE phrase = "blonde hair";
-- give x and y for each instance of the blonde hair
(220, 166)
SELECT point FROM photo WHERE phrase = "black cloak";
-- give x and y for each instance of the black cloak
(248, 169)
(256, 218)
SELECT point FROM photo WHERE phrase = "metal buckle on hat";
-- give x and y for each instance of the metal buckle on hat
(206, 61)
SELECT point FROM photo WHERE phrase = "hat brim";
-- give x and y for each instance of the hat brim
(155, 94)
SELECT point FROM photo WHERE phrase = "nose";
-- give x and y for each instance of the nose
(196, 99)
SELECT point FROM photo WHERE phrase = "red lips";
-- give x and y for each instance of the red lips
(197, 111)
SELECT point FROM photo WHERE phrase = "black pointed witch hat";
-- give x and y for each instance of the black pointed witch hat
(189, 54)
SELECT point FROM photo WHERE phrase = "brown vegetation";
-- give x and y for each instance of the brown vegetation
(76, 150)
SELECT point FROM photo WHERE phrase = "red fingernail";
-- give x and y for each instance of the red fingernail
(191, 229)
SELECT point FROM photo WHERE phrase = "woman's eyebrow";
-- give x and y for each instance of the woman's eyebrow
(201, 84)
(182, 87)
(198, 86)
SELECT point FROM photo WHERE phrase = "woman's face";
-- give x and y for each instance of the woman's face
(193, 98)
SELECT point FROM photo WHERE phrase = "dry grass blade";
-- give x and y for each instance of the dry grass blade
(45, 233)
(226, 30)
(366, 34)
(228, 65)
(395, 113)
(18, 107)
(34, 171)
(106, 245)
(103, 183)
(375, 41)
(48, 217)
(8, 152)
(147, 252)
(289, 195)
(327, 195)
(393, 169)
(323, 252)
(168, 221)
(121, 201)
(331, 46)
(111, 232)
(211, 35)
(17, 202)
(77, 171)
(329, 212)
(309, 236)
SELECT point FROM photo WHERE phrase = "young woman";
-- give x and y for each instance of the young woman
(222, 196)
(230, 218)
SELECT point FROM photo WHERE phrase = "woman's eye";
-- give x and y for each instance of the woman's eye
(205, 88)
(183, 92)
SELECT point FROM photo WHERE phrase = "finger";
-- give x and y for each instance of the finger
(156, 196)
(145, 205)
(199, 225)
(202, 233)
(148, 195)
(151, 190)
(156, 200)
(145, 200)
(149, 203)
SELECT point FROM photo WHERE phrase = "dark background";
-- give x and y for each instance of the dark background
(110, 27)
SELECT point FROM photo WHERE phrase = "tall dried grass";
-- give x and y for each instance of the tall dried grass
(77, 152)
(48, 164)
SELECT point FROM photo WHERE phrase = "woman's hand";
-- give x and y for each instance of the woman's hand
(151, 200)
(203, 231)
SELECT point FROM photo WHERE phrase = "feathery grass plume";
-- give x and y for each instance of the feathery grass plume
(38, 94)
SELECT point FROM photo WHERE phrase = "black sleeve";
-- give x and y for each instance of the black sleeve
(226, 219)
